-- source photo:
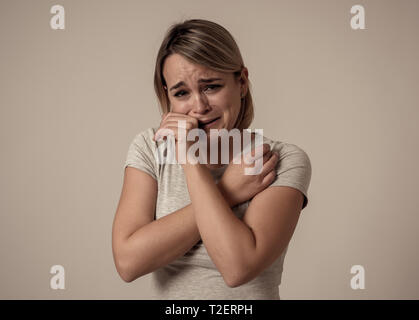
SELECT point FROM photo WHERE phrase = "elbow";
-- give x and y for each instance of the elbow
(233, 283)
(128, 273)
(124, 272)
(127, 277)
(239, 278)
(128, 269)
(235, 279)
(124, 265)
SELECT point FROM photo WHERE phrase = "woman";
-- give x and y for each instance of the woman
(206, 231)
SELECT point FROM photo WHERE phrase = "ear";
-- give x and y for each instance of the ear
(244, 82)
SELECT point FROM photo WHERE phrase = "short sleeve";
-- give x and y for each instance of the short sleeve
(293, 168)
(141, 153)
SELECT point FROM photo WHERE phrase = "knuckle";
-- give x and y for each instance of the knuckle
(272, 177)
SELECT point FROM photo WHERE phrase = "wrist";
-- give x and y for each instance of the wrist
(226, 194)
(191, 166)
(201, 170)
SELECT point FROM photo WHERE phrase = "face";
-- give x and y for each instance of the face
(203, 93)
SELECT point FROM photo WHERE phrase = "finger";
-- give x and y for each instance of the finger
(162, 133)
(177, 119)
(265, 148)
(177, 123)
(172, 120)
(267, 156)
(165, 118)
(256, 152)
(269, 178)
(181, 115)
(180, 128)
(156, 136)
(176, 115)
(270, 164)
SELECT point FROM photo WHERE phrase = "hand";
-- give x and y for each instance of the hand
(170, 122)
(238, 187)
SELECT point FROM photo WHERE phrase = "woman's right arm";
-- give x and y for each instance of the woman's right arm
(141, 244)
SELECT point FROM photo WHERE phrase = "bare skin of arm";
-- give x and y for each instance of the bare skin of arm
(141, 244)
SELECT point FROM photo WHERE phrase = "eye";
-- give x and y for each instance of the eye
(213, 86)
(177, 94)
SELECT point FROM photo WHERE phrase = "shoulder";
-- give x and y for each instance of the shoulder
(142, 152)
(145, 136)
(293, 168)
(290, 152)
(286, 150)
(143, 142)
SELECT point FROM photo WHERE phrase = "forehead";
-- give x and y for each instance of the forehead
(177, 68)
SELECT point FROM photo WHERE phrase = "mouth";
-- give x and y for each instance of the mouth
(208, 123)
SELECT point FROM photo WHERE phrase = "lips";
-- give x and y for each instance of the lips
(207, 122)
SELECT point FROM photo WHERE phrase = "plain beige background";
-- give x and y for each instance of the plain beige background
(72, 100)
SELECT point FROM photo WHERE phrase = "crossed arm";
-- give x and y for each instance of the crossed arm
(242, 249)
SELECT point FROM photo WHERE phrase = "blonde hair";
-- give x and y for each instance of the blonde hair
(208, 44)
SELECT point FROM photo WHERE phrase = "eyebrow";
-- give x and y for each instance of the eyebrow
(181, 83)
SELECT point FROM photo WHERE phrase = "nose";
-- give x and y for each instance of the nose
(200, 105)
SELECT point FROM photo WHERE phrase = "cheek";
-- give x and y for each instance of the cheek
(233, 110)
(230, 108)
(177, 107)
(227, 103)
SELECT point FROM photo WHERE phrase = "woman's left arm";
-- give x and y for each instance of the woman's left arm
(242, 249)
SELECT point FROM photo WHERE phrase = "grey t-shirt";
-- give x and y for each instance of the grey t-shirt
(194, 275)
